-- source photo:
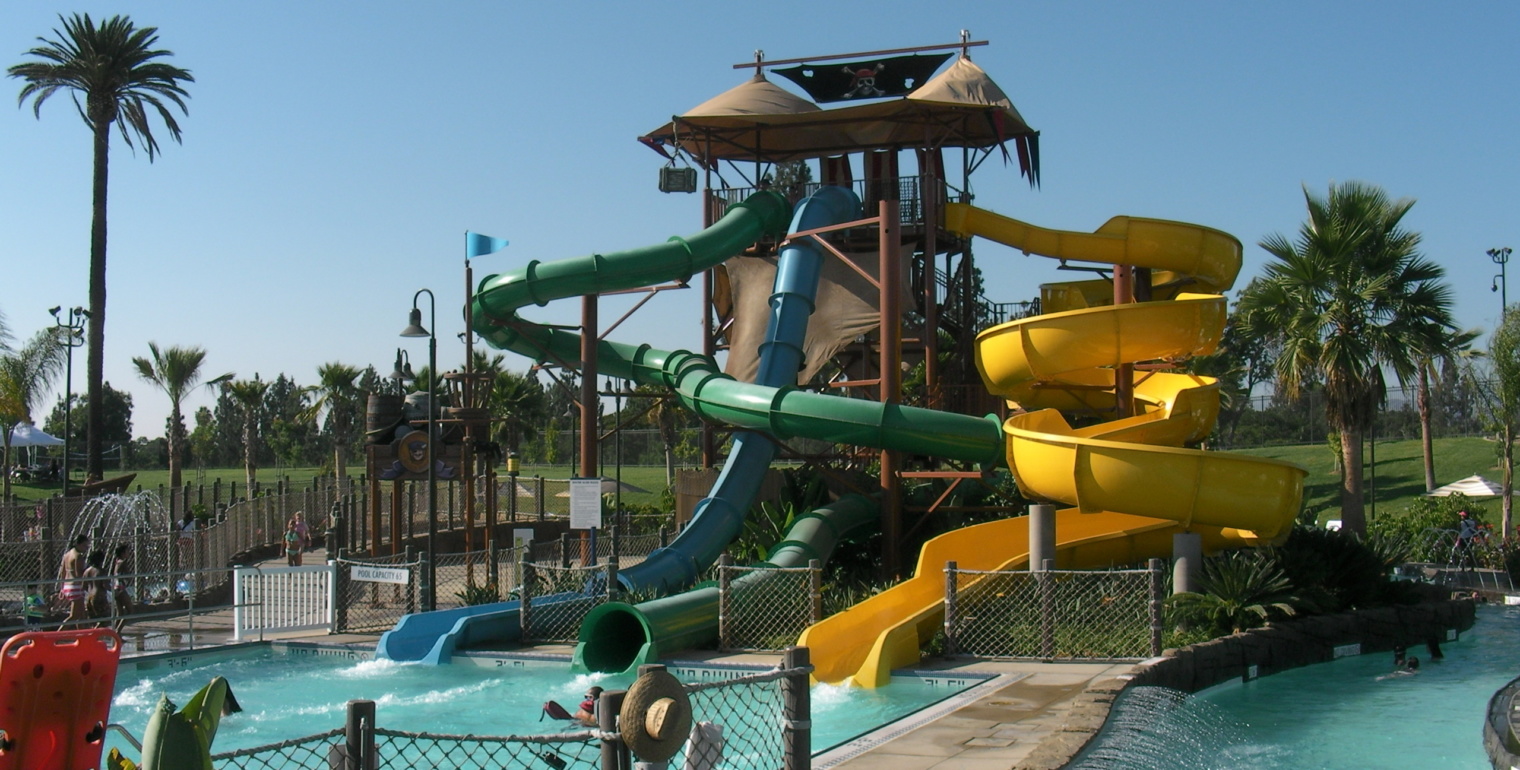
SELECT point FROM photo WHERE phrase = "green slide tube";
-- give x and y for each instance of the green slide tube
(619, 637)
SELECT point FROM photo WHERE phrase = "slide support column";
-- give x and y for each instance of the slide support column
(1187, 561)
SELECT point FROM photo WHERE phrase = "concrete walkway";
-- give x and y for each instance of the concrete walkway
(1005, 723)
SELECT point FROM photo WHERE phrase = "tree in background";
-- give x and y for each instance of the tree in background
(1240, 363)
(1504, 353)
(337, 398)
(118, 418)
(793, 179)
(1349, 296)
(115, 77)
(1454, 347)
(517, 407)
(24, 375)
(249, 396)
(176, 371)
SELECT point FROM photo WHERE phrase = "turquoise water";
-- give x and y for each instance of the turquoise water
(288, 695)
(1339, 715)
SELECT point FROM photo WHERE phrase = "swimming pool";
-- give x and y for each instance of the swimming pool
(1331, 715)
(291, 691)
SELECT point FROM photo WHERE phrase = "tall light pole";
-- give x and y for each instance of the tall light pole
(70, 334)
(1501, 281)
(414, 328)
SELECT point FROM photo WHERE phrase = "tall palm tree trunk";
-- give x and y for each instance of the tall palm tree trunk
(1353, 510)
(250, 456)
(1508, 519)
(1426, 446)
(95, 369)
(175, 447)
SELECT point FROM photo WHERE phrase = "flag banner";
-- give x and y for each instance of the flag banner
(477, 245)
(870, 79)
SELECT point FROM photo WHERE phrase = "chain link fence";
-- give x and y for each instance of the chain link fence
(765, 608)
(575, 591)
(758, 721)
(1054, 614)
(374, 606)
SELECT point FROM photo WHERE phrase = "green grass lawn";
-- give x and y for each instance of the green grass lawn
(1395, 475)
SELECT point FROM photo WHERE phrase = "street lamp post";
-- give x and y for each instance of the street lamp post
(1500, 256)
(414, 328)
(403, 372)
(72, 335)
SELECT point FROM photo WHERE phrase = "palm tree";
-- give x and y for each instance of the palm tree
(176, 371)
(1348, 297)
(518, 403)
(1454, 347)
(337, 396)
(24, 375)
(1504, 351)
(113, 72)
(249, 395)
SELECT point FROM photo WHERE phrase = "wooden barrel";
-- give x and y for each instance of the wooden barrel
(385, 412)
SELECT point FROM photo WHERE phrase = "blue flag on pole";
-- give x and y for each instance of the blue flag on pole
(477, 245)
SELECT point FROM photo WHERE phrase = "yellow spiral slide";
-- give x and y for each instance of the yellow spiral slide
(1130, 481)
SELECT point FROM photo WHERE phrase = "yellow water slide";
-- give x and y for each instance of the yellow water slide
(1130, 481)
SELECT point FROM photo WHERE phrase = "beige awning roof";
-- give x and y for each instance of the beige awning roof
(960, 107)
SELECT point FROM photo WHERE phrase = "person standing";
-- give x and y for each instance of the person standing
(303, 531)
(71, 590)
(292, 544)
(97, 590)
(121, 595)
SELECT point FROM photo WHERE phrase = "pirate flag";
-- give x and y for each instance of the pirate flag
(870, 79)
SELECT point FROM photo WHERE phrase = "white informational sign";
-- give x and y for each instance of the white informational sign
(585, 503)
(522, 537)
(380, 575)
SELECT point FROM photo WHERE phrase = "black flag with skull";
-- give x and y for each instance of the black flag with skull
(870, 79)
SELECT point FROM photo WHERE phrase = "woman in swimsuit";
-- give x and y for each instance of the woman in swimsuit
(71, 590)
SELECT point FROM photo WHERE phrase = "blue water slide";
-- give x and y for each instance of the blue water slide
(432, 637)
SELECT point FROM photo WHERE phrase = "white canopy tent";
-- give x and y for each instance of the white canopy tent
(26, 435)
(1472, 486)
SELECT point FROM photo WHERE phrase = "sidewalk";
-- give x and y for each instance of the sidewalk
(998, 726)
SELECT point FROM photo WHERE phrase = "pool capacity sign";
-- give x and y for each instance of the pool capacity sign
(380, 574)
(585, 503)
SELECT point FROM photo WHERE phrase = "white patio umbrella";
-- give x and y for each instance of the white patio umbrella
(1472, 486)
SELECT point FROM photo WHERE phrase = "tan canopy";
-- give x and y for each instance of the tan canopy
(758, 121)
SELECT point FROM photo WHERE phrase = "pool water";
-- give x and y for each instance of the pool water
(1342, 714)
(286, 694)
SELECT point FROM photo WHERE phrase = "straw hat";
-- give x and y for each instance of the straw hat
(656, 716)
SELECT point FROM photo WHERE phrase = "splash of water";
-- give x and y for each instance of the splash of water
(1157, 728)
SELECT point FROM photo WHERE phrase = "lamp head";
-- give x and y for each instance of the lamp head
(414, 326)
(54, 310)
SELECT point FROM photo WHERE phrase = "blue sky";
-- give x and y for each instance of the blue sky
(334, 153)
